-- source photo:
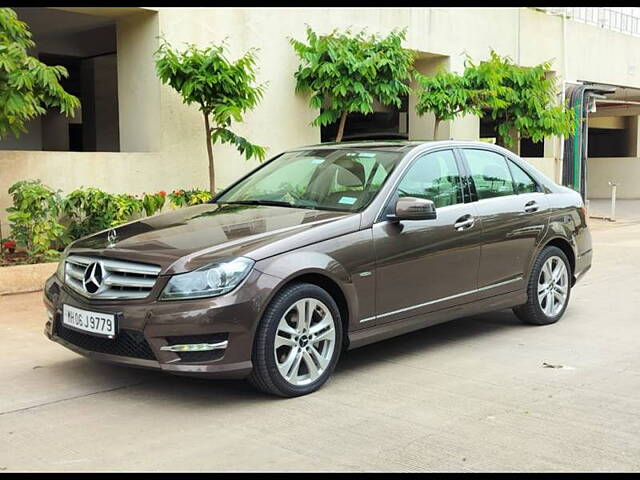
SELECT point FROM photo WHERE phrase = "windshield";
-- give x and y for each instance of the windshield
(332, 179)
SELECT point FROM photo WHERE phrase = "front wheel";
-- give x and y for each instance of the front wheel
(548, 289)
(298, 341)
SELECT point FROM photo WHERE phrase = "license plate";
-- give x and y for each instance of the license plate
(95, 323)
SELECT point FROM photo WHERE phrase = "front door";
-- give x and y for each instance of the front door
(427, 265)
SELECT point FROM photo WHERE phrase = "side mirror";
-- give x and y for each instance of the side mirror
(412, 208)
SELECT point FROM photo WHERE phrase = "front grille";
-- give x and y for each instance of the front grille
(117, 279)
(203, 356)
(127, 343)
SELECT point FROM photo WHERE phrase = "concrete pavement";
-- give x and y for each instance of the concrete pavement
(470, 395)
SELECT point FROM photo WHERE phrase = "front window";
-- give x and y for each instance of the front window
(434, 177)
(331, 179)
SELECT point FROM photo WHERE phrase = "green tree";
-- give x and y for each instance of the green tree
(28, 87)
(346, 72)
(222, 89)
(522, 100)
(448, 95)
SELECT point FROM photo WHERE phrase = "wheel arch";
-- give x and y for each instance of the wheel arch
(566, 247)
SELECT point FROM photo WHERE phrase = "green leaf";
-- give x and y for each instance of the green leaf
(28, 87)
(347, 72)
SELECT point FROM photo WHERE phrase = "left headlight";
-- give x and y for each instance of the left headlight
(209, 281)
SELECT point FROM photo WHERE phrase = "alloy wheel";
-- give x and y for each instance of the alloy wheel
(553, 286)
(305, 341)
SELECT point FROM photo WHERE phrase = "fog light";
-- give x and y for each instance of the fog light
(195, 347)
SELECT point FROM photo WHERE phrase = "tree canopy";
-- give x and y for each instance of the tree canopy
(223, 90)
(522, 100)
(346, 72)
(28, 87)
(447, 95)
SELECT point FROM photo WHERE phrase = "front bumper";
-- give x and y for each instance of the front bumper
(144, 326)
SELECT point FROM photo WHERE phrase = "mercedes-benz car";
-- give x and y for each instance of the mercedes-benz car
(321, 249)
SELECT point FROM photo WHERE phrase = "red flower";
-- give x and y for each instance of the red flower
(9, 244)
(162, 193)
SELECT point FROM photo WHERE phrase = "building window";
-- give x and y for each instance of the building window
(528, 148)
(385, 123)
(612, 136)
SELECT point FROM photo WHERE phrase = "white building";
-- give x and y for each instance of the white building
(134, 134)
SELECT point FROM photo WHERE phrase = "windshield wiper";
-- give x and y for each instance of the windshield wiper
(279, 203)
(273, 203)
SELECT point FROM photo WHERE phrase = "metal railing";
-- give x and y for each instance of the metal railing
(619, 19)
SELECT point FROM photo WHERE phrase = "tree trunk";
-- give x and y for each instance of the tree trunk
(435, 129)
(514, 135)
(212, 173)
(343, 120)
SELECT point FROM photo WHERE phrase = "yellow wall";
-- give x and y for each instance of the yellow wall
(116, 172)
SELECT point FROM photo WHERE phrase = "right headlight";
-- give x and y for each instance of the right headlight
(60, 270)
(209, 281)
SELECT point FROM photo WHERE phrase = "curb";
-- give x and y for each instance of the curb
(25, 278)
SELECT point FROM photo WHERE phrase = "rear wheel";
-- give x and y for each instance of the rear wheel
(298, 341)
(548, 289)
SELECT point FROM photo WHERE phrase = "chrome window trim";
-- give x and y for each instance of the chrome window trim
(443, 299)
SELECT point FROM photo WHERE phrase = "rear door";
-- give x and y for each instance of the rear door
(513, 210)
(427, 265)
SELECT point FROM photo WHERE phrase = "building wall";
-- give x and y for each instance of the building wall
(162, 141)
(625, 171)
(133, 173)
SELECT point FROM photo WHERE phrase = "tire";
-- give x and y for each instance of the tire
(317, 354)
(547, 308)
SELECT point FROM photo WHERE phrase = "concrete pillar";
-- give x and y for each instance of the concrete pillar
(139, 93)
(421, 127)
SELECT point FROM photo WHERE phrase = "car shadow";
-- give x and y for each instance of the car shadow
(429, 339)
(191, 392)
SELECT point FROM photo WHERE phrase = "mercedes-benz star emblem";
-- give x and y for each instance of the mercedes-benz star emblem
(93, 277)
(111, 238)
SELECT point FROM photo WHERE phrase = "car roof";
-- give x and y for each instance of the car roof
(388, 145)
(395, 145)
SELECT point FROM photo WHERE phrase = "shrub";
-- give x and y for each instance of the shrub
(186, 198)
(43, 222)
(153, 202)
(34, 219)
(90, 210)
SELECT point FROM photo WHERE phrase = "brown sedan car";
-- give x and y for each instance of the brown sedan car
(321, 249)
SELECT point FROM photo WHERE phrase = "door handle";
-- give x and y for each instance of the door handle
(464, 222)
(531, 206)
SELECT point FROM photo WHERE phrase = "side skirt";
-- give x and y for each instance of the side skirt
(376, 333)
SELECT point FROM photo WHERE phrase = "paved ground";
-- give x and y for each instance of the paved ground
(470, 395)
(625, 209)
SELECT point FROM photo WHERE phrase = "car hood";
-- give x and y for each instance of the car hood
(188, 238)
